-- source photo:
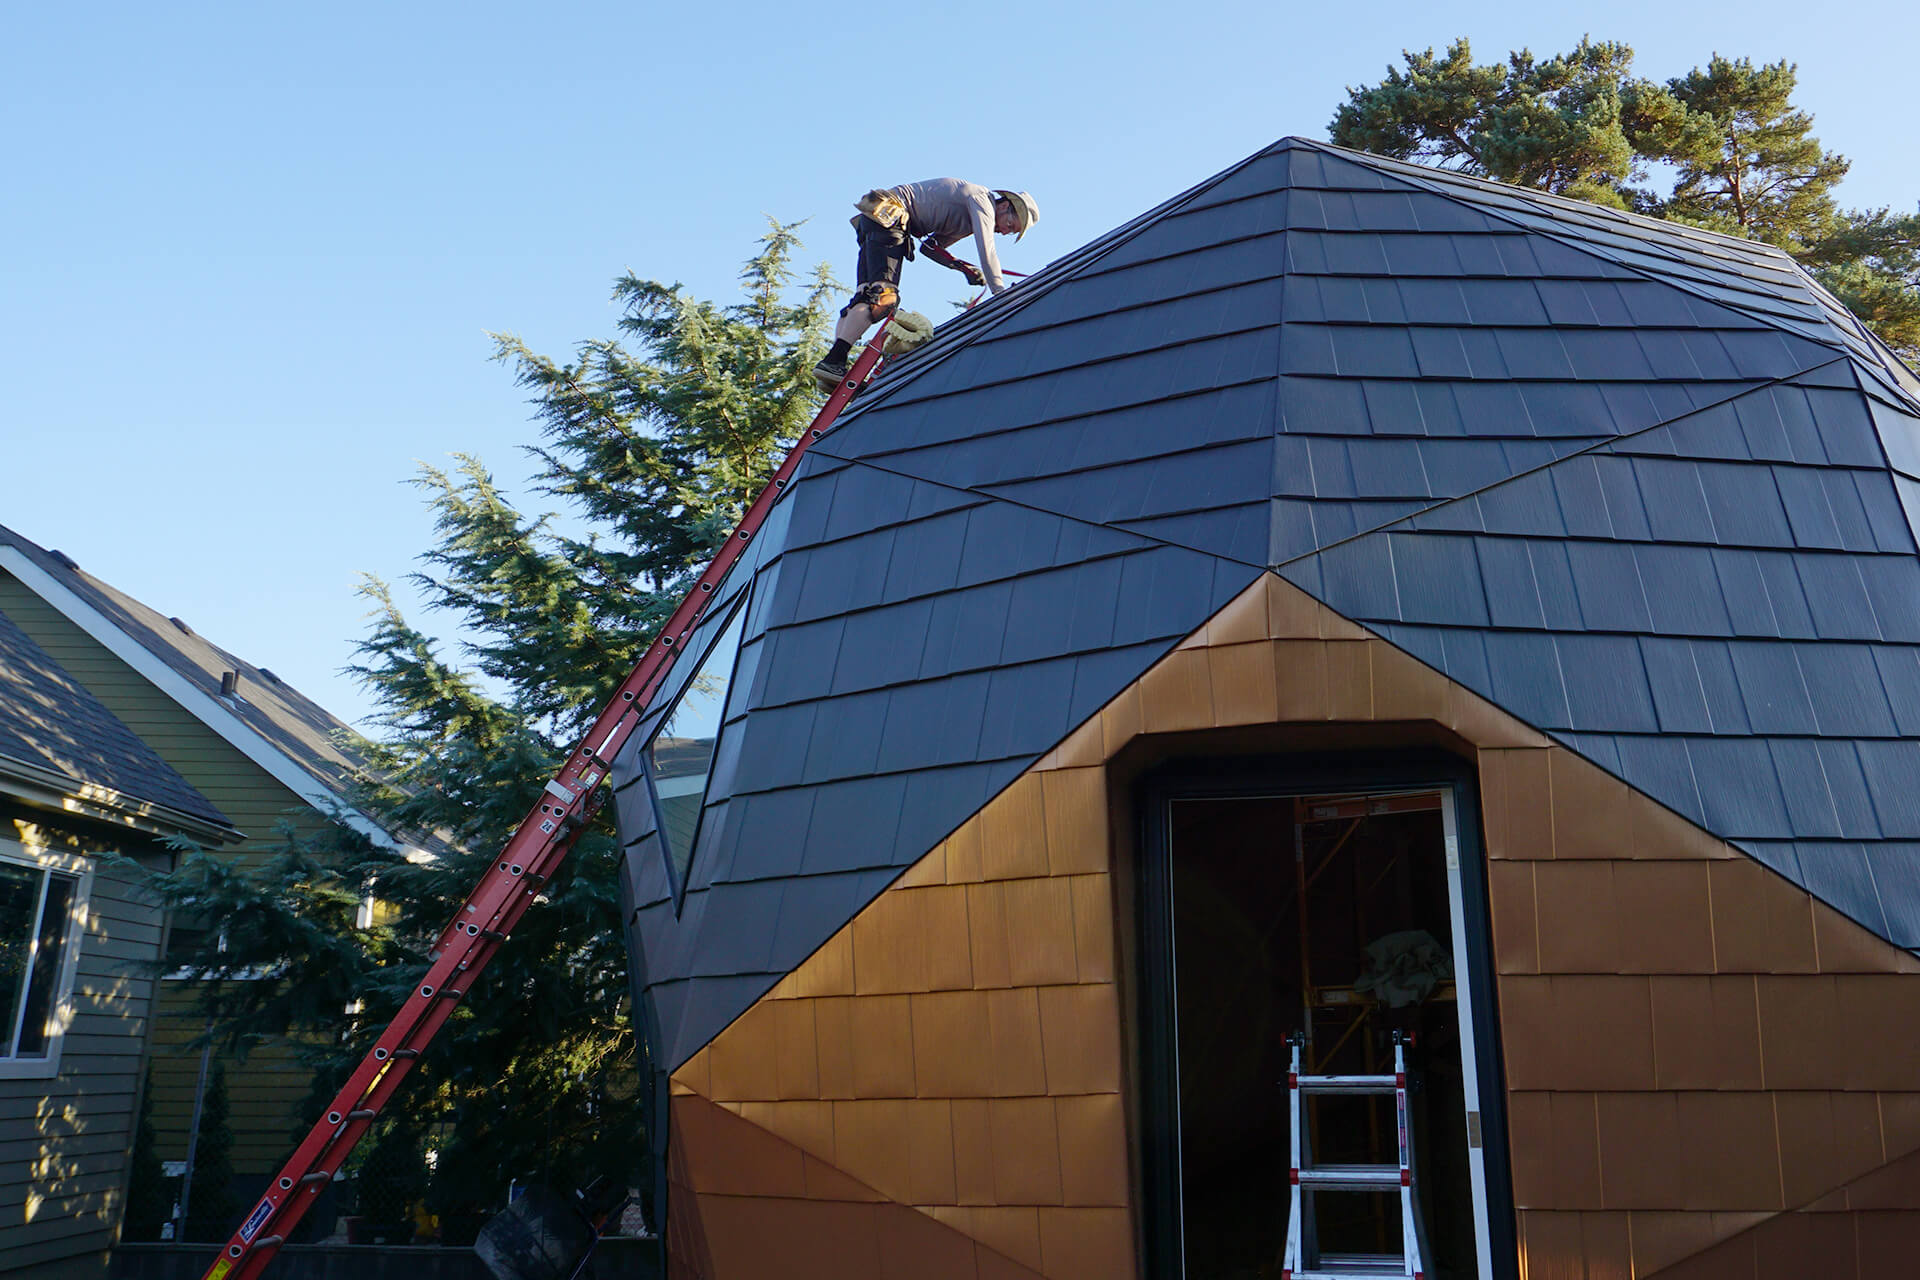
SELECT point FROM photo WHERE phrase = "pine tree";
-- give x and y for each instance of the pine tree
(654, 442)
(1741, 156)
(1872, 264)
(1746, 159)
(1561, 125)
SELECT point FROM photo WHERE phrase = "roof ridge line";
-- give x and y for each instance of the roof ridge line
(1897, 388)
(1534, 193)
(1574, 244)
(1769, 384)
(1880, 441)
(197, 703)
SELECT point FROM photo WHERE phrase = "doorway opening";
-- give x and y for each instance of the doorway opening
(1339, 915)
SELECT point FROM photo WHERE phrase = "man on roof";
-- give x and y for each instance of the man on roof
(938, 212)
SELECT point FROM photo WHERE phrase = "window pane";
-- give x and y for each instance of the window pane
(680, 758)
(46, 967)
(19, 894)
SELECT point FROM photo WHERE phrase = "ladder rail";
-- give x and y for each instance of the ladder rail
(515, 877)
(1302, 1259)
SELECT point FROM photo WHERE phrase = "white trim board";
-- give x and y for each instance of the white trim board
(198, 703)
(60, 1009)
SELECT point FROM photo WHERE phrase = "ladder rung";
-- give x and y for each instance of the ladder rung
(1349, 1084)
(1329, 1269)
(1351, 1177)
(1357, 1264)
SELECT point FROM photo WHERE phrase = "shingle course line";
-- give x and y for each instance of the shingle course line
(1785, 379)
(1839, 342)
(868, 459)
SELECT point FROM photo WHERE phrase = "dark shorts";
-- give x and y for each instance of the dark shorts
(882, 250)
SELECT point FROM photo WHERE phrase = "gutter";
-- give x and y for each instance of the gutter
(51, 789)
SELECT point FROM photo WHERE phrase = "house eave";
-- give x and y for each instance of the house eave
(203, 706)
(44, 788)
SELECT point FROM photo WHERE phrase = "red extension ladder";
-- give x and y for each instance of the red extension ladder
(496, 904)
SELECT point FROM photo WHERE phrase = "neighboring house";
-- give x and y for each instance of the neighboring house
(1349, 598)
(78, 945)
(263, 753)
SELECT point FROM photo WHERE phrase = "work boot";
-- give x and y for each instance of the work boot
(830, 373)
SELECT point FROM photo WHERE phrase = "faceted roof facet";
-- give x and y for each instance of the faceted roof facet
(1645, 487)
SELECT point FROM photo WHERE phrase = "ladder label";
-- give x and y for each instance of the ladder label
(560, 789)
(251, 1227)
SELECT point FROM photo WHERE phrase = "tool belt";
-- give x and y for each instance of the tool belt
(885, 210)
(884, 207)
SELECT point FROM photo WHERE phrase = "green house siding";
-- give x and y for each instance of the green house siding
(267, 1088)
(65, 1142)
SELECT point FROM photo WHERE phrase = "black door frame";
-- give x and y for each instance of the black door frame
(1317, 773)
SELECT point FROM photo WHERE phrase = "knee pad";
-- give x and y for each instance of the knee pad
(876, 294)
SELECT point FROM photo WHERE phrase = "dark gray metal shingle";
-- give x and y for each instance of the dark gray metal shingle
(1628, 480)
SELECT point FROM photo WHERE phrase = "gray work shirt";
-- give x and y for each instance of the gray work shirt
(948, 210)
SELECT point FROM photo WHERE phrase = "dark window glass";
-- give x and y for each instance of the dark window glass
(55, 916)
(35, 911)
(19, 901)
(680, 757)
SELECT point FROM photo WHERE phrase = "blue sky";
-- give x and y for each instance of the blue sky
(252, 253)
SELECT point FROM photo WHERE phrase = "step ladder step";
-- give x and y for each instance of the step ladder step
(1351, 1177)
(1349, 1084)
(1338, 1266)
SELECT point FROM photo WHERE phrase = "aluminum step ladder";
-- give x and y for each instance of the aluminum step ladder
(1303, 1260)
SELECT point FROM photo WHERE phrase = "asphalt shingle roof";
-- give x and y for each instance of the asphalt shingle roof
(301, 729)
(48, 719)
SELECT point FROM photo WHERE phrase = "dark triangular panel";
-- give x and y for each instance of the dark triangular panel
(1723, 611)
(910, 649)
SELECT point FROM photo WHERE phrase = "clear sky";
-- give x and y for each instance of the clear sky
(250, 254)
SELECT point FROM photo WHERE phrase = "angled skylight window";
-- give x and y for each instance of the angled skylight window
(680, 757)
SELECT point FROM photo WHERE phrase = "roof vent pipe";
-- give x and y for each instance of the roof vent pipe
(229, 684)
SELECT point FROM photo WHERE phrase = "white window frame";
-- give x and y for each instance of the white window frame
(1465, 997)
(60, 1006)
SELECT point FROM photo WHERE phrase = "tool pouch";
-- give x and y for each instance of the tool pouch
(884, 207)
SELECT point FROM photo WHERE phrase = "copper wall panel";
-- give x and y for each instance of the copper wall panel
(1761, 924)
(1575, 1246)
(1176, 693)
(1709, 1073)
(1516, 926)
(1404, 688)
(964, 1058)
(1706, 1032)
(1014, 1037)
(1243, 684)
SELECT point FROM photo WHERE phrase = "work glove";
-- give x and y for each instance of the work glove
(971, 272)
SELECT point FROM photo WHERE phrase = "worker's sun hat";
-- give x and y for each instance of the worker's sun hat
(1025, 211)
